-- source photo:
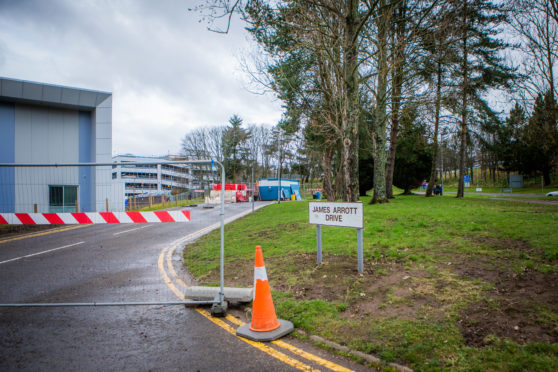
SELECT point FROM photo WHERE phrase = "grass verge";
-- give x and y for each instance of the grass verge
(453, 284)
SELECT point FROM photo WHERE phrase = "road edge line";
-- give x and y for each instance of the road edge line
(35, 234)
(168, 251)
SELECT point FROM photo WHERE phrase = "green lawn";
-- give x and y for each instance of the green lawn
(452, 284)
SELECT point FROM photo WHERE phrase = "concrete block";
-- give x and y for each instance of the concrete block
(236, 295)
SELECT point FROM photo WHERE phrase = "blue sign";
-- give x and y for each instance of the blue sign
(467, 178)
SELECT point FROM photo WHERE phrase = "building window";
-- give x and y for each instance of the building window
(62, 198)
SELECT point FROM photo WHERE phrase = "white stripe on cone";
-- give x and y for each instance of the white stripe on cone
(259, 274)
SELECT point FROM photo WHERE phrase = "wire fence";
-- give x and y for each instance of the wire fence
(114, 187)
(54, 193)
(62, 188)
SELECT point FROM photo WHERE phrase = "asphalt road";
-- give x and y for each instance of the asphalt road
(113, 263)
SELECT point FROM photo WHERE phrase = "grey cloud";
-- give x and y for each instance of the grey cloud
(140, 46)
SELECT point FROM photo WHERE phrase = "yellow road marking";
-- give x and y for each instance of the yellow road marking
(259, 345)
(274, 353)
(161, 264)
(171, 267)
(19, 237)
(321, 361)
(295, 350)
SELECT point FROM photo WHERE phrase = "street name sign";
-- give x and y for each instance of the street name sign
(336, 214)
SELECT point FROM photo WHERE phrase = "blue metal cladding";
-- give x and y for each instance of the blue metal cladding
(295, 189)
(85, 194)
(269, 188)
(7, 155)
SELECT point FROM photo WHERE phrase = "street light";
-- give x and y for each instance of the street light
(442, 134)
(277, 131)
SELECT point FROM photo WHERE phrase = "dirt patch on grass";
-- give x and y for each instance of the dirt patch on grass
(520, 306)
(277, 230)
(383, 290)
(516, 245)
(488, 294)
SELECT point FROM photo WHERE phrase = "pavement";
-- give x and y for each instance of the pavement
(517, 197)
(125, 263)
(488, 194)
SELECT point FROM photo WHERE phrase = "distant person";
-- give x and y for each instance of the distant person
(438, 190)
(424, 184)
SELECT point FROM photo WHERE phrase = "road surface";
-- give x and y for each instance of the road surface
(121, 263)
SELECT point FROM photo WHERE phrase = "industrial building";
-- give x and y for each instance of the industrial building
(45, 123)
(157, 179)
(149, 178)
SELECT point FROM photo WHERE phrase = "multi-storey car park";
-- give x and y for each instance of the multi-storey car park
(156, 179)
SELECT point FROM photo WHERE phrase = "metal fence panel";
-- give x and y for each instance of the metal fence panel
(132, 192)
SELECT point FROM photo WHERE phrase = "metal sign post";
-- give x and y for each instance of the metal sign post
(341, 215)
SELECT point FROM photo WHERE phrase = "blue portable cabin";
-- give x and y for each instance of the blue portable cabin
(269, 189)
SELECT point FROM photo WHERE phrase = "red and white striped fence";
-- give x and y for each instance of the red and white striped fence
(92, 218)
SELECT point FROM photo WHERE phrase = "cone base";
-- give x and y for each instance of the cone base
(284, 329)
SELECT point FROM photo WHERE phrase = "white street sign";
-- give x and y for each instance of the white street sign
(336, 214)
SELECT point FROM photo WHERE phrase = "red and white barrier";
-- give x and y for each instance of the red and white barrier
(92, 218)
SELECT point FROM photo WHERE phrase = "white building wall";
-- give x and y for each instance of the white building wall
(44, 135)
(102, 153)
(56, 124)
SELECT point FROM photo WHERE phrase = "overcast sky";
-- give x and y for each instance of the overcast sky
(168, 74)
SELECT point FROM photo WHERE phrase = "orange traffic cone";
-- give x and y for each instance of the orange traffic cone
(263, 311)
(264, 326)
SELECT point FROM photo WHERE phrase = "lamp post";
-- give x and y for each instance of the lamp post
(277, 132)
(253, 186)
(442, 135)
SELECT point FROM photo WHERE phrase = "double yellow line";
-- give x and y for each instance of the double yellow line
(174, 282)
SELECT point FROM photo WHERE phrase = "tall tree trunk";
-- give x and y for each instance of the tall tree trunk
(549, 54)
(327, 164)
(339, 188)
(399, 61)
(546, 176)
(379, 130)
(463, 147)
(350, 126)
(436, 126)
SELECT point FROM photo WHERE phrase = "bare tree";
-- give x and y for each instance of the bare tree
(256, 145)
(536, 22)
(204, 143)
